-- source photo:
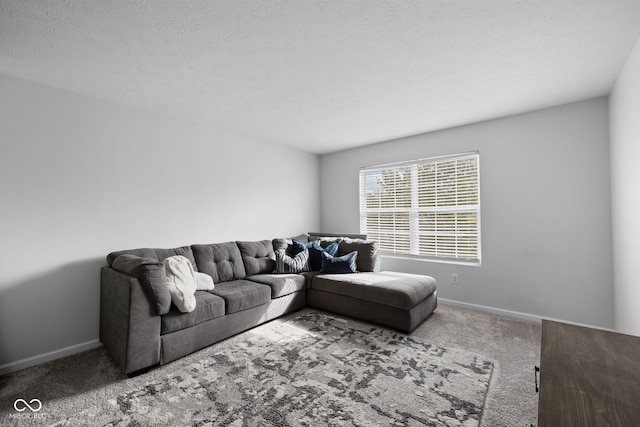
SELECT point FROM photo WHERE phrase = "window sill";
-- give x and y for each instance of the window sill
(436, 260)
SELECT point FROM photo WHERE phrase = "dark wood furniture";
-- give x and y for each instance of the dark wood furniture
(588, 377)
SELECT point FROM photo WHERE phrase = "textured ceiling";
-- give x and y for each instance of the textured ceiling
(323, 75)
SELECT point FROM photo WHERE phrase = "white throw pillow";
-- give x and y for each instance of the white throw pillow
(182, 282)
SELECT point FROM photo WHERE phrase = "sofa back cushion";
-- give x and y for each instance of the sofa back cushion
(283, 243)
(221, 261)
(315, 235)
(154, 253)
(258, 257)
(368, 257)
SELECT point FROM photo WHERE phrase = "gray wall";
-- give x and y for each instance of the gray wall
(81, 177)
(545, 210)
(625, 183)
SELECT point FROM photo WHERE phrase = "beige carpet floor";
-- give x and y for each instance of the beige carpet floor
(512, 344)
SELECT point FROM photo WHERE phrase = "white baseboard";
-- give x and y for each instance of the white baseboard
(48, 357)
(494, 310)
(515, 314)
(78, 348)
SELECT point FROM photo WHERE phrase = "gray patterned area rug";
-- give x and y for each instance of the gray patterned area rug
(313, 370)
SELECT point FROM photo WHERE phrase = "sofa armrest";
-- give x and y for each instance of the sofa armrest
(129, 324)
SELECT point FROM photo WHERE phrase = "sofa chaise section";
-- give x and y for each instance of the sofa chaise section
(397, 300)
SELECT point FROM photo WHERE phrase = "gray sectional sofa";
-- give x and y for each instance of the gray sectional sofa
(141, 328)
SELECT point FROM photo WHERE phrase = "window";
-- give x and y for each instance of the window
(428, 208)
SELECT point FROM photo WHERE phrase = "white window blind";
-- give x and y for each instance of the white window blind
(428, 208)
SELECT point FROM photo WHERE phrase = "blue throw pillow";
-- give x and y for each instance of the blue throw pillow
(296, 247)
(339, 265)
(316, 251)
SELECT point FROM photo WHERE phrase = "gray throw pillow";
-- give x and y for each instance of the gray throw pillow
(368, 256)
(151, 274)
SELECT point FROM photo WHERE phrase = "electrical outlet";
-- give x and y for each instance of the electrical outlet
(454, 278)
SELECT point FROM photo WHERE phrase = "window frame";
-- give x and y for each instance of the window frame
(411, 250)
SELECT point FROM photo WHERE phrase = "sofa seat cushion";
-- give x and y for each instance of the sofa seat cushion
(281, 284)
(242, 294)
(399, 290)
(208, 306)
